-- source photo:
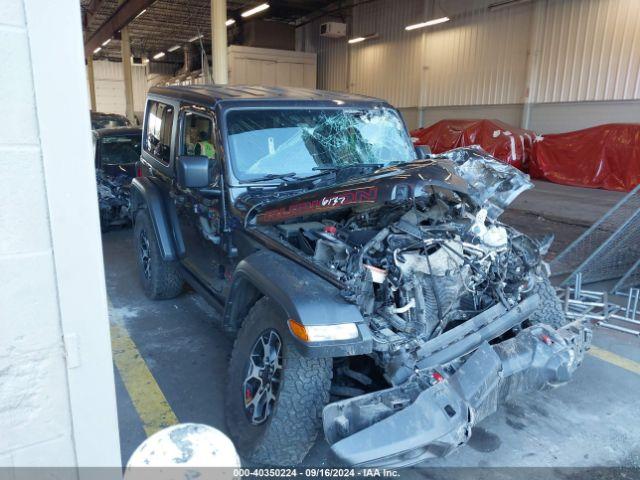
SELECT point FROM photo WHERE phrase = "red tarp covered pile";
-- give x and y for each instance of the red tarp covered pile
(606, 156)
(508, 144)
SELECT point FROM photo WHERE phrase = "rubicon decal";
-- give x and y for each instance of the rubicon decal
(321, 204)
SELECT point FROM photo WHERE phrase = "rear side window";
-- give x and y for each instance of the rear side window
(157, 139)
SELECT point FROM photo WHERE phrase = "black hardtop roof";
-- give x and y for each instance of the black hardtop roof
(211, 94)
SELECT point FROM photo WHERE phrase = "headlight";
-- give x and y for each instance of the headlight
(323, 333)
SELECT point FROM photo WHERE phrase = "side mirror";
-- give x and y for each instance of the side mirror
(423, 151)
(194, 171)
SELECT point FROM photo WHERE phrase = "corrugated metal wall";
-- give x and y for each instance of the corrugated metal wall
(332, 54)
(388, 67)
(265, 66)
(584, 50)
(590, 50)
(109, 84)
(478, 58)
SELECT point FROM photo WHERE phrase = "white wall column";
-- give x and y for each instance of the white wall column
(125, 45)
(219, 42)
(56, 373)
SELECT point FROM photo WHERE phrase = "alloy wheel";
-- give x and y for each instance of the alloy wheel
(264, 375)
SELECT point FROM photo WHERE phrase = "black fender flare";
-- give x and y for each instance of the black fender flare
(148, 192)
(302, 295)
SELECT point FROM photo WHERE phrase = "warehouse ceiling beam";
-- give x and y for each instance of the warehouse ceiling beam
(125, 13)
(92, 8)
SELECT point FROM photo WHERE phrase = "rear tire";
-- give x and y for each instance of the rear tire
(550, 310)
(160, 279)
(290, 429)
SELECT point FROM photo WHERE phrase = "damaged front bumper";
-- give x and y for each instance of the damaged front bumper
(422, 419)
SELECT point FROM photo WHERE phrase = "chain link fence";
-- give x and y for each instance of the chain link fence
(608, 249)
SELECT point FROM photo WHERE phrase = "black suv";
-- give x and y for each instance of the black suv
(369, 286)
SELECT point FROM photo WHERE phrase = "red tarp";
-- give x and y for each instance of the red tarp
(606, 156)
(508, 144)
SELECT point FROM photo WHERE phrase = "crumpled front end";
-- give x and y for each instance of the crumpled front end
(435, 411)
(456, 302)
(113, 199)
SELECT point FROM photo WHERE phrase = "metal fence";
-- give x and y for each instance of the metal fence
(629, 279)
(608, 249)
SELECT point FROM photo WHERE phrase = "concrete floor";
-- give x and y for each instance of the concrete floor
(591, 422)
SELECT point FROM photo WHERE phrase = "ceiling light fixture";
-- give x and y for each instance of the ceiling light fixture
(140, 13)
(229, 22)
(429, 23)
(158, 55)
(174, 48)
(97, 50)
(106, 42)
(254, 10)
(197, 37)
(371, 36)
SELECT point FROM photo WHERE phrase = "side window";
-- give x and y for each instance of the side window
(197, 135)
(157, 139)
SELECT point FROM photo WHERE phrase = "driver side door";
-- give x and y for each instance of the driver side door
(200, 215)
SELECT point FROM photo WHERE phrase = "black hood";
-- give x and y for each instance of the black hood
(401, 182)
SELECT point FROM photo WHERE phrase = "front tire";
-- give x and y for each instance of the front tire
(160, 279)
(282, 432)
(550, 310)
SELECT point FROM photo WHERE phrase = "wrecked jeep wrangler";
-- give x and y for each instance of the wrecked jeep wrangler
(369, 286)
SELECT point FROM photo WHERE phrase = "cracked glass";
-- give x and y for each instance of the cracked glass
(303, 141)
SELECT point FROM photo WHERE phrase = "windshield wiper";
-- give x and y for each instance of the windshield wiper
(334, 168)
(274, 176)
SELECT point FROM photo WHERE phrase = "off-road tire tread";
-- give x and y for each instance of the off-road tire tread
(294, 424)
(166, 281)
(550, 310)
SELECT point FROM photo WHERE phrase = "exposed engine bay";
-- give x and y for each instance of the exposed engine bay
(113, 199)
(419, 268)
(459, 305)
(416, 271)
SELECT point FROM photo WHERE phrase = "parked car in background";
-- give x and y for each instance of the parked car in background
(108, 120)
(116, 152)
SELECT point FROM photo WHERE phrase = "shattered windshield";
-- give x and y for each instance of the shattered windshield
(303, 141)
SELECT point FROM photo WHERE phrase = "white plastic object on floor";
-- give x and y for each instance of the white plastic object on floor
(184, 451)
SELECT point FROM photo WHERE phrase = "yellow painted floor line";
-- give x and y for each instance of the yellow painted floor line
(614, 359)
(149, 401)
